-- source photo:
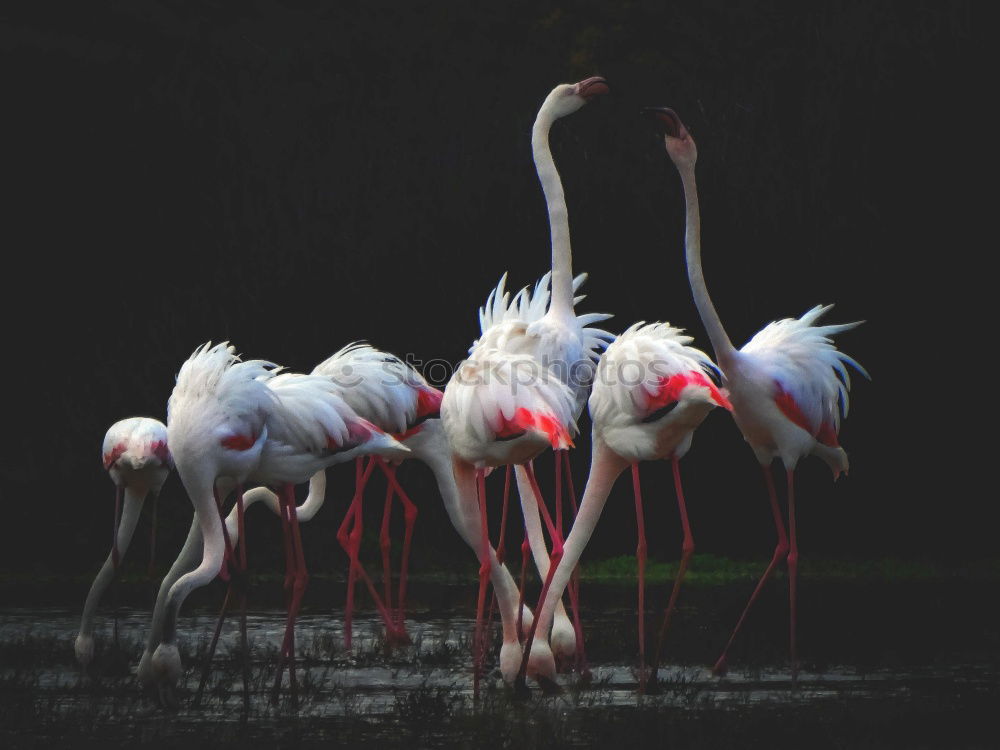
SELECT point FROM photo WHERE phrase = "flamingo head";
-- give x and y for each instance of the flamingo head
(680, 145)
(567, 98)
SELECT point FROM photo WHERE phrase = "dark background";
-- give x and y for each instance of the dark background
(292, 176)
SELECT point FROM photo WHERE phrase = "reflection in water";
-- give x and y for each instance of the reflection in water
(370, 680)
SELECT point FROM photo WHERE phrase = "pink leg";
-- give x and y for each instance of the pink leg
(558, 487)
(780, 551)
(793, 574)
(410, 518)
(351, 542)
(574, 581)
(687, 549)
(347, 541)
(384, 542)
(525, 550)
(301, 580)
(241, 567)
(554, 559)
(286, 538)
(500, 545)
(640, 556)
(213, 644)
(478, 639)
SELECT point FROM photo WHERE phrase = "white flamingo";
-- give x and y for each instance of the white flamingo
(788, 385)
(240, 421)
(504, 405)
(650, 393)
(136, 458)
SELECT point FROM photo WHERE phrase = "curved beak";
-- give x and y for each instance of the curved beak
(591, 87)
(668, 118)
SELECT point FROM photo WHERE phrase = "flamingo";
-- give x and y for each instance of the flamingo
(242, 420)
(788, 385)
(650, 393)
(504, 406)
(136, 458)
(560, 342)
(526, 378)
(391, 394)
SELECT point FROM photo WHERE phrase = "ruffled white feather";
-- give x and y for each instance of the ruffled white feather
(630, 371)
(377, 385)
(800, 356)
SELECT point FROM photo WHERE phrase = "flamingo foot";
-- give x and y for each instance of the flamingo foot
(721, 668)
(397, 636)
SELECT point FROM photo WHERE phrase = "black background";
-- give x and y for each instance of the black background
(292, 176)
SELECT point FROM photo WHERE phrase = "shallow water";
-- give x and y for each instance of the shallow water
(862, 645)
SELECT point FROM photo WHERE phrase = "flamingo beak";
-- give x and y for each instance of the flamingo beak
(668, 118)
(591, 87)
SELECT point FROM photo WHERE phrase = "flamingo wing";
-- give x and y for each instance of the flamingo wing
(810, 377)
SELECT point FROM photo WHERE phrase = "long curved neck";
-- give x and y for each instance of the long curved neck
(605, 466)
(464, 516)
(692, 250)
(131, 510)
(305, 512)
(199, 486)
(186, 560)
(562, 253)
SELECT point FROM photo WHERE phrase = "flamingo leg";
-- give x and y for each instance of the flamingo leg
(227, 557)
(351, 542)
(687, 549)
(554, 559)
(500, 543)
(385, 544)
(283, 654)
(525, 550)
(348, 541)
(410, 518)
(299, 586)
(574, 582)
(300, 578)
(640, 556)
(210, 654)
(478, 639)
(238, 579)
(780, 551)
(558, 493)
(793, 574)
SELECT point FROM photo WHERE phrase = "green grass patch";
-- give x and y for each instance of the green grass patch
(714, 570)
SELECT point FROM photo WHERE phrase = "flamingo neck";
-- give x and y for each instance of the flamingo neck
(692, 250)
(456, 481)
(605, 467)
(131, 509)
(562, 253)
(199, 486)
